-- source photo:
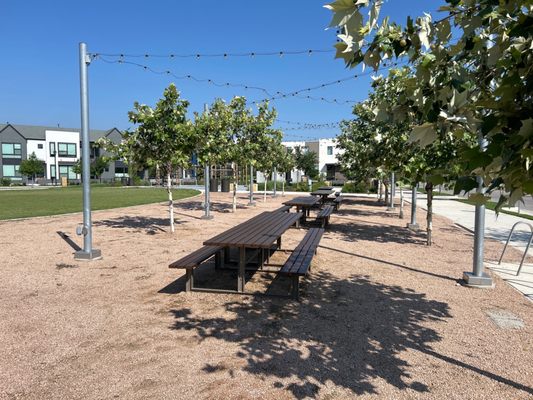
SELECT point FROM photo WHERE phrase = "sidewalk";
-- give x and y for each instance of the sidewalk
(496, 227)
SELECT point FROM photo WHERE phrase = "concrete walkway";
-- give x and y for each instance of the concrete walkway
(496, 227)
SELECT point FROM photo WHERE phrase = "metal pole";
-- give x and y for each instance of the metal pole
(275, 180)
(391, 205)
(251, 202)
(478, 277)
(88, 253)
(413, 225)
(207, 175)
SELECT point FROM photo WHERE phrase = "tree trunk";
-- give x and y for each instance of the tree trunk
(170, 203)
(235, 183)
(386, 193)
(283, 188)
(401, 201)
(380, 191)
(429, 218)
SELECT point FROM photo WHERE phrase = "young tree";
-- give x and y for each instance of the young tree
(162, 138)
(306, 161)
(98, 166)
(32, 167)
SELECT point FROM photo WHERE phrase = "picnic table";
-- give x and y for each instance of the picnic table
(259, 232)
(323, 194)
(326, 188)
(303, 203)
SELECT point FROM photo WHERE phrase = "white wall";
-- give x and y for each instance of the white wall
(323, 157)
(60, 137)
(33, 147)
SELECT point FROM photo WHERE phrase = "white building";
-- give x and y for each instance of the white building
(328, 163)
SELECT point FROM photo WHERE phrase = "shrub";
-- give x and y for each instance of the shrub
(359, 187)
(5, 182)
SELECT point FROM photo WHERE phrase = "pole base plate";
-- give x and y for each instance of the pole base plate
(413, 227)
(482, 282)
(206, 217)
(391, 208)
(252, 203)
(92, 255)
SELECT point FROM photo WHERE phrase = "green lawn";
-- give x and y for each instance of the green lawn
(53, 201)
(491, 205)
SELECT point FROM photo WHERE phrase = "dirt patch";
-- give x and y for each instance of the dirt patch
(381, 315)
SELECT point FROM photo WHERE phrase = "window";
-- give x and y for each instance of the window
(67, 171)
(330, 150)
(53, 171)
(11, 150)
(52, 149)
(40, 146)
(121, 172)
(10, 171)
(66, 149)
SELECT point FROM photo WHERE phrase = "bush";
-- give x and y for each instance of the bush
(359, 187)
(5, 182)
(270, 186)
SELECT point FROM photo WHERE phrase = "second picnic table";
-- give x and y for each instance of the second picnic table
(303, 203)
(323, 194)
(260, 232)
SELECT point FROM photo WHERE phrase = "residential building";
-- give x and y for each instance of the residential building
(58, 148)
(327, 160)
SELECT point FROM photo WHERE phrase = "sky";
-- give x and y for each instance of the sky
(39, 61)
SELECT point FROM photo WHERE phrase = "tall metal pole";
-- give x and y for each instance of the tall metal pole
(478, 277)
(251, 202)
(275, 181)
(392, 184)
(207, 175)
(413, 225)
(88, 253)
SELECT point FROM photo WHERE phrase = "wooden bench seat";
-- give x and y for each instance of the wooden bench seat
(337, 202)
(193, 260)
(299, 262)
(283, 209)
(324, 214)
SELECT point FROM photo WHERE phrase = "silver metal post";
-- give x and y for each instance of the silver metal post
(478, 277)
(413, 225)
(392, 183)
(88, 253)
(251, 202)
(275, 181)
(207, 176)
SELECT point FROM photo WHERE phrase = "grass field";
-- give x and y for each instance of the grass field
(53, 201)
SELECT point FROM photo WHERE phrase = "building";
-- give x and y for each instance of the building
(58, 148)
(328, 163)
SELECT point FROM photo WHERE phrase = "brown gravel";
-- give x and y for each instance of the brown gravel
(381, 315)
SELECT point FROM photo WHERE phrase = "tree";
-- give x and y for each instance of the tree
(306, 161)
(32, 167)
(285, 164)
(162, 138)
(97, 166)
(475, 78)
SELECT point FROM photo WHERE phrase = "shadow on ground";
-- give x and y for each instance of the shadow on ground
(352, 231)
(216, 206)
(148, 225)
(347, 331)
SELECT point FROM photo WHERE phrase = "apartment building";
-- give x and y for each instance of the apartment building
(58, 148)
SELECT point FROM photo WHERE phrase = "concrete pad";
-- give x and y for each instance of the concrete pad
(507, 271)
(504, 319)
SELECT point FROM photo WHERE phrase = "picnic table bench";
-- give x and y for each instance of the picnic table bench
(323, 216)
(193, 260)
(283, 209)
(303, 203)
(299, 262)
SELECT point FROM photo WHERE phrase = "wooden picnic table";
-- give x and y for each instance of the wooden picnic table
(303, 203)
(326, 188)
(259, 232)
(323, 194)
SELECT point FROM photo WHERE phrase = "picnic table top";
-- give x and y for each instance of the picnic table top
(326, 188)
(322, 192)
(258, 232)
(306, 201)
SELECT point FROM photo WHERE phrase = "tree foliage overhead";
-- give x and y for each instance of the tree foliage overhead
(473, 74)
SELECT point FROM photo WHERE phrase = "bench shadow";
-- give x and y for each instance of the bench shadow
(346, 331)
(148, 225)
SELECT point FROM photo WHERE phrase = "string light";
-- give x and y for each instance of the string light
(225, 55)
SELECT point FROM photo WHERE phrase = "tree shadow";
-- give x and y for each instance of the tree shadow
(352, 231)
(216, 206)
(149, 225)
(347, 331)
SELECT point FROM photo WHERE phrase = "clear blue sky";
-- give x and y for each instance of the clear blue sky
(39, 72)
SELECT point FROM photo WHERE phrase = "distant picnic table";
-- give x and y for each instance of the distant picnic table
(323, 194)
(303, 203)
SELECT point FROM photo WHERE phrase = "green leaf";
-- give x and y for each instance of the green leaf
(425, 134)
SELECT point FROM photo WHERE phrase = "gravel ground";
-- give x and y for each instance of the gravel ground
(380, 316)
